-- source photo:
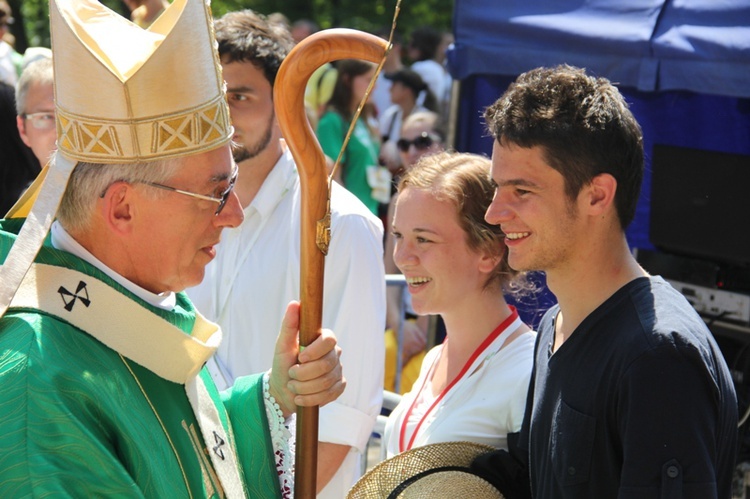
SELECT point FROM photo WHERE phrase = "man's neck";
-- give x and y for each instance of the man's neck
(583, 285)
(254, 171)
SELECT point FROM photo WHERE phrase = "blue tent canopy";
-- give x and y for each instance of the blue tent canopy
(682, 65)
(650, 45)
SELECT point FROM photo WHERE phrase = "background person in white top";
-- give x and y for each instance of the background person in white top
(410, 95)
(381, 92)
(8, 56)
(257, 265)
(425, 43)
(472, 387)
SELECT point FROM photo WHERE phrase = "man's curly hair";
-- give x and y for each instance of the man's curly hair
(583, 126)
(246, 36)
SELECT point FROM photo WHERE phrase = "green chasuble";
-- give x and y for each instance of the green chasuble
(103, 395)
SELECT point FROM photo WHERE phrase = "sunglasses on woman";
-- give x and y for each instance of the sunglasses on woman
(422, 142)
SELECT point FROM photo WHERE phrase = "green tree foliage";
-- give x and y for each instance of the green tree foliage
(34, 15)
(367, 16)
(33, 30)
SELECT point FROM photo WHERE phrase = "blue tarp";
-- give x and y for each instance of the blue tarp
(650, 45)
(682, 65)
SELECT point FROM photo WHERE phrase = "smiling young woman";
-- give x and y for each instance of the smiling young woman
(473, 386)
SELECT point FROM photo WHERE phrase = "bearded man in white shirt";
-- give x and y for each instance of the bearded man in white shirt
(258, 262)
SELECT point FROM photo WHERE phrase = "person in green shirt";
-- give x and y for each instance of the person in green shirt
(363, 149)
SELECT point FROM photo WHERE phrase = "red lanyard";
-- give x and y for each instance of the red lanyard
(480, 349)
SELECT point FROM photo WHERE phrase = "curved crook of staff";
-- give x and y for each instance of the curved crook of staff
(314, 51)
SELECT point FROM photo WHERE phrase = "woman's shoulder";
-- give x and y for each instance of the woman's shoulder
(524, 341)
(521, 348)
(330, 128)
(427, 66)
(432, 354)
(330, 117)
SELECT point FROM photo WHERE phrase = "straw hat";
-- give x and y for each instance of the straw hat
(432, 472)
(122, 95)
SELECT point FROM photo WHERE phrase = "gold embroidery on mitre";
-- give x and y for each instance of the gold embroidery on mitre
(99, 139)
(92, 139)
(66, 133)
(176, 133)
(189, 131)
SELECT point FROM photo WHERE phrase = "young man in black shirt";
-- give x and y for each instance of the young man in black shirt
(630, 395)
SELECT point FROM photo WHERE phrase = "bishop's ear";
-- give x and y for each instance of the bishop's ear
(116, 206)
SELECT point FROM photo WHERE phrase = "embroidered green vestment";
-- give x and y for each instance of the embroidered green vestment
(79, 418)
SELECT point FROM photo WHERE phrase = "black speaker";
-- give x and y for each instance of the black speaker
(700, 204)
(680, 268)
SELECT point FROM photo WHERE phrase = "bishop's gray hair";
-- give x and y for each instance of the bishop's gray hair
(90, 181)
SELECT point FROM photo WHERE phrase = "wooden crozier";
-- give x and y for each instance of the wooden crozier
(289, 91)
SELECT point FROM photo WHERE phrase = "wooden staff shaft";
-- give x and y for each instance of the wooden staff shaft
(289, 92)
